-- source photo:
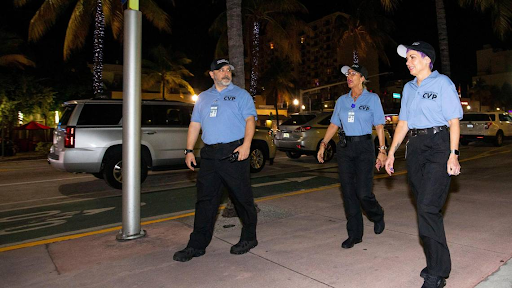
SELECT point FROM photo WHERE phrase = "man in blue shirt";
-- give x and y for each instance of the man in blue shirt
(226, 115)
(430, 105)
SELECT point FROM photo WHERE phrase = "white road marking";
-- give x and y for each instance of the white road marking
(42, 181)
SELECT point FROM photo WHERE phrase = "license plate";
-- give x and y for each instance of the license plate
(470, 125)
(286, 135)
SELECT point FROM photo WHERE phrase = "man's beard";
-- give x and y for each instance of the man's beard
(225, 81)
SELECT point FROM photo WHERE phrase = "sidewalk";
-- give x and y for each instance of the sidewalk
(31, 155)
(299, 246)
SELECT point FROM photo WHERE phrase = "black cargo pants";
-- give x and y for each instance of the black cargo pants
(427, 157)
(214, 174)
(355, 170)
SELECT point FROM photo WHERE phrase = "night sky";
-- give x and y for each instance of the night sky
(468, 31)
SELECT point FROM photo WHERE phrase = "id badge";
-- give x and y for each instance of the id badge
(213, 110)
(351, 116)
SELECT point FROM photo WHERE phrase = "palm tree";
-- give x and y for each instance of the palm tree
(82, 17)
(236, 39)
(276, 20)
(167, 68)
(365, 31)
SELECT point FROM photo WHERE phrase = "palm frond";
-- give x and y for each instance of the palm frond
(16, 60)
(45, 18)
(155, 15)
(78, 26)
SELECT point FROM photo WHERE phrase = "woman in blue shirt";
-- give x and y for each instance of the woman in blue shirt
(430, 105)
(355, 113)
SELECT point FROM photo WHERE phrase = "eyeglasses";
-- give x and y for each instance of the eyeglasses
(351, 73)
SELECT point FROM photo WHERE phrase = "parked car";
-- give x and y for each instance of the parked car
(89, 136)
(302, 132)
(485, 126)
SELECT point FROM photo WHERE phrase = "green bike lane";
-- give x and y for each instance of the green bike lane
(28, 224)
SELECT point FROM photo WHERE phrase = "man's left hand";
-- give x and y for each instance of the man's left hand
(243, 152)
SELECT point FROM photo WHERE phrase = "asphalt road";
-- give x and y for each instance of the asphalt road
(38, 202)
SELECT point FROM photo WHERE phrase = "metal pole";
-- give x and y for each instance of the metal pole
(301, 95)
(131, 126)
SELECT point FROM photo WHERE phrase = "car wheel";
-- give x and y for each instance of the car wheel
(98, 175)
(328, 152)
(112, 171)
(257, 158)
(499, 139)
(293, 155)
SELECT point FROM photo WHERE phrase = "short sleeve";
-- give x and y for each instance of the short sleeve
(450, 102)
(247, 107)
(196, 117)
(335, 118)
(403, 115)
(378, 113)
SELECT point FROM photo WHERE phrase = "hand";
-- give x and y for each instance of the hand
(388, 164)
(381, 160)
(453, 166)
(243, 151)
(320, 155)
(190, 160)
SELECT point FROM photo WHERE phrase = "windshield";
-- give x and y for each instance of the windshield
(299, 119)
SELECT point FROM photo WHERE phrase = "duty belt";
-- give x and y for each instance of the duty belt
(358, 138)
(426, 131)
(218, 145)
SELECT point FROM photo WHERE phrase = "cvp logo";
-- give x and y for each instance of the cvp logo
(229, 98)
(430, 95)
(364, 107)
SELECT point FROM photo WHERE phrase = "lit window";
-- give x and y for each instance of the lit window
(271, 45)
(302, 40)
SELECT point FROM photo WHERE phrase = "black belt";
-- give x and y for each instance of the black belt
(218, 145)
(358, 138)
(426, 131)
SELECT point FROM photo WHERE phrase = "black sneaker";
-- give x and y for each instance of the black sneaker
(433, 282)
(243, 247)
(187, 254)
(350, 242)
(423, 272)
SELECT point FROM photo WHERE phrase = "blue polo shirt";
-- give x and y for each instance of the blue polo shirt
(234, 105)
(431, 104)
(367, 113)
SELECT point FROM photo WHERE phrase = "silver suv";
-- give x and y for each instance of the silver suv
(302, 132)
(89, 137)
(485, 126)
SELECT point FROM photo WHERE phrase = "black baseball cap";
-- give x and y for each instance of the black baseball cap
(356, 67)
(219, 63)
(419, 46)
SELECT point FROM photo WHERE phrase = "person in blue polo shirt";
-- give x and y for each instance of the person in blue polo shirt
(226, 115)
(430, 105)
(355, 113)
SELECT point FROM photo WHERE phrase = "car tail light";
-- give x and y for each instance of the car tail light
(488, 125)
(69, 140)
(302, 129)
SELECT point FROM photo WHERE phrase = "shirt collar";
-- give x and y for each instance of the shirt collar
(430, 77)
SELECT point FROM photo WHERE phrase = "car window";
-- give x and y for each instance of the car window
(475, 117)
(493, 117)
(101, 114)
(299, 119)
(166, 115)
(505, 117)
(68, 110)
(326, 120)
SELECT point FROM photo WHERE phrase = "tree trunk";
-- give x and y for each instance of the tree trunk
(255, 58)
(163, 88)
(99, 35)
(443, 37)
(277, 110)
(235, 40)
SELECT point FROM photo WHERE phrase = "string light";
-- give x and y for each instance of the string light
(255, 58)
(99, 35)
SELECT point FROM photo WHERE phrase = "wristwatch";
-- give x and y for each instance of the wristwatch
(383, 147)
(456, 152)
(188, 151)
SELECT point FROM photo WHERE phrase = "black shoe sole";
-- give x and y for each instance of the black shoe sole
(186, 259)
(379, 231)
(243, 251)
(350, 246)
